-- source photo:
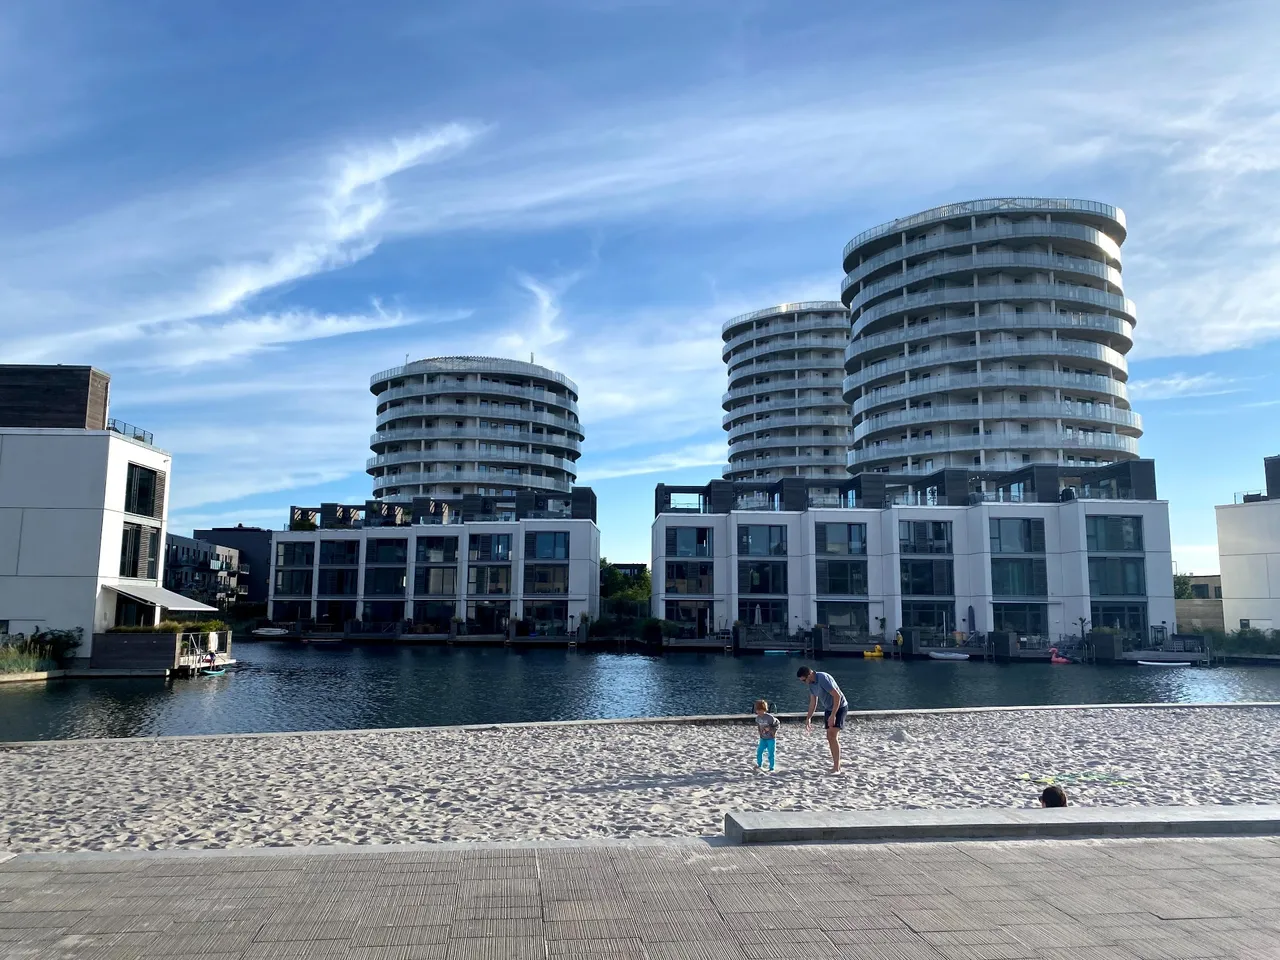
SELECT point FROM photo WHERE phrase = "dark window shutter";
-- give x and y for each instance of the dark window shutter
(671, 541)
(1037, 536)
(1039, 578)
(157, 508)
(822, 575)
(530, 545)
(820, 538)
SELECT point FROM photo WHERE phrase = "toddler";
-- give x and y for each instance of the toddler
(768, 726)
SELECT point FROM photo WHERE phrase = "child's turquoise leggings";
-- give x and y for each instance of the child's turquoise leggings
(766, 746)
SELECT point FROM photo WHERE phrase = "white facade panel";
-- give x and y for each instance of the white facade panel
(1249, 558)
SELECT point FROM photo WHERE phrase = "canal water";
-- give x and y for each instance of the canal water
(281, 687)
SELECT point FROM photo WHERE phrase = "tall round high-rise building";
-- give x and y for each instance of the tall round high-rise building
(988, 335)
(454, 426)
(784, 411)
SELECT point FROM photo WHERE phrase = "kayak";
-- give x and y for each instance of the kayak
(937, 655)
(270, 632)
(1164, 663)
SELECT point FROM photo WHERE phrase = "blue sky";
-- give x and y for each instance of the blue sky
(243, 210)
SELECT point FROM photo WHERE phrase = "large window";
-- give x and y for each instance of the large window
(688, 541)
(434, 615)
(1025, 619)
(437, 550)
(550, 578)
(927, 578)
(842, 577)
(840, 539)
(489, 546)
(383, 611)
(762, 576)
(299, 553)
(548, 616)
(1019, 578)
(689, 576)
(488, 616)
(694, 616)
(929, 619)
(144, 491)
(1113, 534)
(1017, 535)
(1117, 577)
(293, 583)
(761, 541)
(338, 583)
(546, 545)
(340, 553)
(762, 611)
(924, 536)
(386, 551)
(435, 581)
(384, 581)
(482, 581)
(1128, 619)
(139, 547)
(852, 616)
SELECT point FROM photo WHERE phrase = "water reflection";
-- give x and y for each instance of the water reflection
(280, 687)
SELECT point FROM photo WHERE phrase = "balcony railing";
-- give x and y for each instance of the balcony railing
(130, 431)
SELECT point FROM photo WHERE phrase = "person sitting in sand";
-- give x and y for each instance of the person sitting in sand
(1053, 796)
(767, 725)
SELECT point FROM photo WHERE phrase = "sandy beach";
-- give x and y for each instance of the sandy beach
(611, 780)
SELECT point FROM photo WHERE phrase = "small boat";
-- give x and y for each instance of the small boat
(270, 632)
(1164, 663)
(941, 655)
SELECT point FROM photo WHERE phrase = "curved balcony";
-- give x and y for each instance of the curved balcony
(1078, 267)
(1104, 414)
(787, 403)
(471, 456)
(785, 423)
(1113, 216)
(1004, 292)
(836, 324)
(525, 481)
(783, 345)
(473, 388)
(453, 366)
(780, 386)
(1043, 440)
(1049, 379)
(488, 434)
(833, 363)
(1076, 323)
(993, 351)
(475, 411)
(804, 306)
(749, 465)
(1076, 234)
(786, 443)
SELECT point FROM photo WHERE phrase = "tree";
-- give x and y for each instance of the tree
(615, 585)
(1182, 586)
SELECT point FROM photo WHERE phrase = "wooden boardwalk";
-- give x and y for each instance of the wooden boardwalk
(1032, 900)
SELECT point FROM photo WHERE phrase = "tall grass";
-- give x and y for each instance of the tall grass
(18, 658)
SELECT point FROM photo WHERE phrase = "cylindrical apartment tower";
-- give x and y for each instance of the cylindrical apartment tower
(784, 411)
(988, 335)
(452, 426)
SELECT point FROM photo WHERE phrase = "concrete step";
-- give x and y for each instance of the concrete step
(996, 824)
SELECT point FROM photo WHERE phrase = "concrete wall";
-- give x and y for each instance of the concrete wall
(1249, 559)
(1194, 616)
(62, 494)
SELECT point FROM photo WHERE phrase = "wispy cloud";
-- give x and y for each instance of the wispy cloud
(696, 455)
(1178, 385)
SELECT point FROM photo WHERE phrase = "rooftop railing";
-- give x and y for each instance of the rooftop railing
(130, 431)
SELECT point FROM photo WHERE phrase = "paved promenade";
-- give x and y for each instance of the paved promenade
(682, 900)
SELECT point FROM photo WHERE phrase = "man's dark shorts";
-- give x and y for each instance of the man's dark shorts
(840, 715)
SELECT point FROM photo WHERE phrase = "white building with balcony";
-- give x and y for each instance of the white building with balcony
(987, 335)
(454, 427)
(1023, 560)
(785, 413)
(1249, 556)
(418, 575)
